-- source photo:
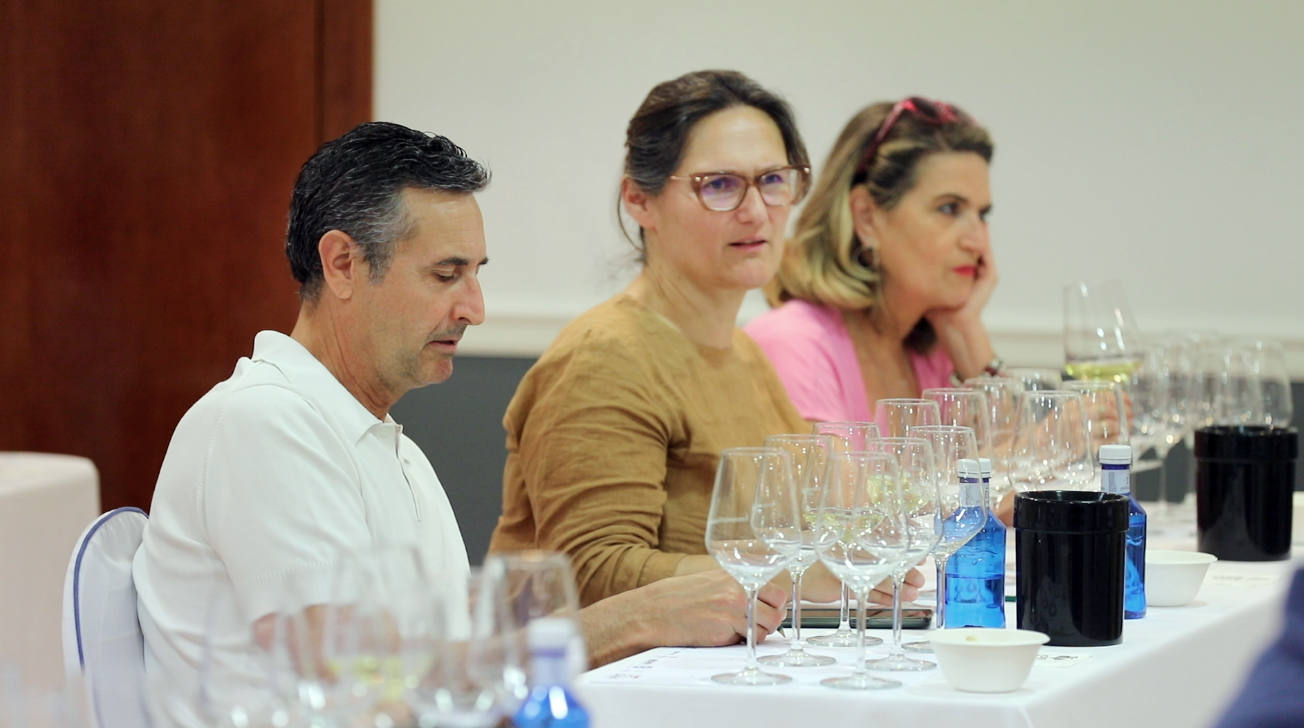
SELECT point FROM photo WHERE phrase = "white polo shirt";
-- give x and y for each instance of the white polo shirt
(278, 470)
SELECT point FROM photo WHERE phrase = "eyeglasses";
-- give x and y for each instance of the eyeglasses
(725, 191)
(936, 113)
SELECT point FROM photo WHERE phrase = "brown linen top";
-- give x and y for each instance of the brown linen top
(613, 438)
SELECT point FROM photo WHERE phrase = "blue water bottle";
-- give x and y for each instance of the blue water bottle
(975, 575)
(1116, 477)
(551, 704)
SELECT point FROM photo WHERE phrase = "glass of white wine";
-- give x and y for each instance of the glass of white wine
(1100, 335)
(754, 529)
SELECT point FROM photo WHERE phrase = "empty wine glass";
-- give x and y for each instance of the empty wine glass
(753, 530)
(847, 436)
(480, 677)
(809, 455)
(1034, 378)
(1002, 394)
(961, 513)
(895, 414)
(862, 538)
(1267, 362)
(1052, 448)
(238, 682)
(1106, 410)
(965, 407)
(914, 456)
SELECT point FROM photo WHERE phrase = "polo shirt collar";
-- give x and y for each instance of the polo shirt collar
(309, 376)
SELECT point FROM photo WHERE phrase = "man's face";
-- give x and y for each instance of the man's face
(413, 318)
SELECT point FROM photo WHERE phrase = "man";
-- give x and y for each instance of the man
(293, 463)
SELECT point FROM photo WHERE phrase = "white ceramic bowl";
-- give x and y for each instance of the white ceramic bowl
(980, 660)
(1173, 578)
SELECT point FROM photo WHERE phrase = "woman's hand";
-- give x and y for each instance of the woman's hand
(960, 330)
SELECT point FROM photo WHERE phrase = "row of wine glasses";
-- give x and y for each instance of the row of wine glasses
(1175, 383)
(381, 640)
(867, 507)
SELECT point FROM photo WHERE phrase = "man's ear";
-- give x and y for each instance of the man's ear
(635, 201)
(342, 264)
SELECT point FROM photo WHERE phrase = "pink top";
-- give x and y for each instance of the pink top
(811, 349)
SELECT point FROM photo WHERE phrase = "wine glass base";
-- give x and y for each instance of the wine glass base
(900, 663)
(859, 681)
(843, 638)
(751, 676)
(796, 658)
(919, 647)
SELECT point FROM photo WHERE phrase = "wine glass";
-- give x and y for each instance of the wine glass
(962, 512)
(1002, 394)
(1052, 448)
(1099, 332)
(1267, 363)
(238, 683)
(895, 414)
(809, 455)
(965, 407)
(1106, 410)
(753, 530)
(383, 631)
(854, 436)
(480, 677)
(848, 435)
(914, 456)
(862, 538)
(1034, 378)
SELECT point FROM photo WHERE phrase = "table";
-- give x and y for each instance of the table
(1176, 667)
(46, 500)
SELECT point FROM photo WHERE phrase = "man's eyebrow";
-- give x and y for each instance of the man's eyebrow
(460, 261)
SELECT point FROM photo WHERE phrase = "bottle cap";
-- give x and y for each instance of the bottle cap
(551, 633)
(1115, 454)
(968, 468)
(985, 465)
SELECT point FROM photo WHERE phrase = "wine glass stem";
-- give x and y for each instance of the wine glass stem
(897, 649)
(752, 664)
(941, 590)
(844, 615)
(862, 596)
(796, 608)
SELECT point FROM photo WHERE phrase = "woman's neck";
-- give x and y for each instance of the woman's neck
(895, 320)
(706, 317)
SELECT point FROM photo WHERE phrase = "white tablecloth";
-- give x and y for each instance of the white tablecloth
(1176, 667)
(45, 502)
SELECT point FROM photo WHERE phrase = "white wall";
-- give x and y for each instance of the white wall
(1159, 142)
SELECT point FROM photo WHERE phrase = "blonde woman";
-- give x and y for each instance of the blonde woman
(881, 287)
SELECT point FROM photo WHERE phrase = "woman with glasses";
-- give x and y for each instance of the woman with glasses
(613, 436)
(883, 283)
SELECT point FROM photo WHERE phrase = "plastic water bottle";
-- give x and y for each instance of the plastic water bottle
(975, 575)
(550, 703)
(1116, 477)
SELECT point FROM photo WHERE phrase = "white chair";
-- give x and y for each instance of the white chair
(101, 632)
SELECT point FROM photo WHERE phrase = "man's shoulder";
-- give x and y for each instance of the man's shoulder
(257, 391)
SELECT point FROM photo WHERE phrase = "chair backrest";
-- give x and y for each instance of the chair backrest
(101, 632)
